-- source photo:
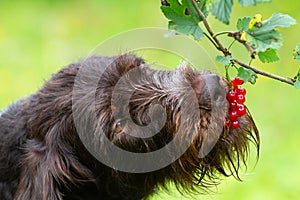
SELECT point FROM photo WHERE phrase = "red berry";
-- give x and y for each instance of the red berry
(241, 110)
(236, 82)
(241, 91)
(233, 106)
(231, 96)
(240, 99)
(233, 115)
(235, 124)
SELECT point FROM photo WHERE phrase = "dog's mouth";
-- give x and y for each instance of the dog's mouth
(212, 93)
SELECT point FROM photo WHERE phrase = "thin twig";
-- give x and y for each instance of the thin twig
(210, 31)
(211, 40)
(221, 33)
(273, 76)
(231, 44)
(237, 37)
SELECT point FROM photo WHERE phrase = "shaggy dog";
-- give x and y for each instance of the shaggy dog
(46, 150)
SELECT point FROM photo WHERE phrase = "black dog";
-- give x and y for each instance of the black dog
(43, 156)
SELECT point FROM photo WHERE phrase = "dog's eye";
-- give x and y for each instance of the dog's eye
(119, 126)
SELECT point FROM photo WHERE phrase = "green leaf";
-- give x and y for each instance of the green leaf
(247, 75)
(251, 2)
(184, 18)
(279, 20)
(275, 21)
(296, 53)
(268, 56)
(187, 29)
(266, 36)
(297, 84)
(243, 23)
(221, 9)
(262, 42)
(225, 60)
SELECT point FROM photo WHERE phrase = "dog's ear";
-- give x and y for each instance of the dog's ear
(126, 62)
(47, 165)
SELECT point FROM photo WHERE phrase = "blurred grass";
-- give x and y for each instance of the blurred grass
(39, 37)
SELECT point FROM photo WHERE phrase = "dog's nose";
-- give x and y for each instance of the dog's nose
(213, 92)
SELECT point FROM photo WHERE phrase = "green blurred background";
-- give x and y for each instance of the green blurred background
(39, 37)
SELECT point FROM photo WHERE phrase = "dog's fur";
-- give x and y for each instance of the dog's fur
(42, 156)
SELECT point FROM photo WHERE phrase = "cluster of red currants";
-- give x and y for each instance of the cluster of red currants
(236, 98)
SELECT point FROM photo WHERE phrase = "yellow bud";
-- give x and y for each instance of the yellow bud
(243, 36)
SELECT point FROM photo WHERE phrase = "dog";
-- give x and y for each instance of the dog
(47, 139)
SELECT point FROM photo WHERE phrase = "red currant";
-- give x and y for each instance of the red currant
(240, 99)
(231, 96)
(236, 81)
(241, 110)
(236, 98)
(233, 106)
(241, 91)
(233, 115)
(235, 124)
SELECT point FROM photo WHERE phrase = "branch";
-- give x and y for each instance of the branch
(237, 37)
(211, 40)
(210, 31)
(263, 73)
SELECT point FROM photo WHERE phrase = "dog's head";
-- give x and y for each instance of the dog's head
(180, 113)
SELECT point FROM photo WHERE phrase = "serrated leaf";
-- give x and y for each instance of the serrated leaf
(262, 42)
(243, 23)
(266, 36)
(192, 11)
(247, 75)
(181, 21)
(251, 2)
(268, 56)
(187, 29)
(277, 20)
(297, 84)
(221, 9)
(296, 53)
(225, 60)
